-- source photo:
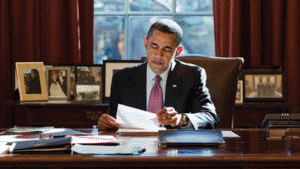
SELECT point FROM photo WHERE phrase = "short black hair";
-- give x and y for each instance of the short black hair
(166, 26)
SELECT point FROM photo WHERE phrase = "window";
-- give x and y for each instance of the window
(121, 25)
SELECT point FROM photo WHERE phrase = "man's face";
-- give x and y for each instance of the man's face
(161, 48)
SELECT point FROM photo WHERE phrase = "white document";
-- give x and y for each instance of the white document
(133, 118)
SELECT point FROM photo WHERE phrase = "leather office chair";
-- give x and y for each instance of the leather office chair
(222, 76)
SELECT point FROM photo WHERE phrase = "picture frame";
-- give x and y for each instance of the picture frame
(239, 92)
(263, 86)
(109, 68)
(88, 92)
(31, 81)
(89, 76)
(58, 82)
(72, 76)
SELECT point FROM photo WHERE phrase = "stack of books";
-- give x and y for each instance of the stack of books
(24, 139)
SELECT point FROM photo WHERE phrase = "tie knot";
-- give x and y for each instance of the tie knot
(157, 79)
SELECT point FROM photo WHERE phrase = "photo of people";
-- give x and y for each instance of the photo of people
(32, 81)
(263, 86)
(89, 75)
(57, 83)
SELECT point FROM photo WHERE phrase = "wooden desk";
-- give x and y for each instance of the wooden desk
(251, 150)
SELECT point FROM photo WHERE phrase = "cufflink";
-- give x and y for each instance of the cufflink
(174, 85)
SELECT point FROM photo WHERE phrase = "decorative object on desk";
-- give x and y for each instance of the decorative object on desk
(109, 68)
(276, 125)
(239, 92)
(31, 81)
(59, 82)
(88, 93)
(264, 86)
(284, 120)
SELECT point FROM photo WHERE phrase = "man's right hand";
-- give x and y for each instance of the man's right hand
(107, 122)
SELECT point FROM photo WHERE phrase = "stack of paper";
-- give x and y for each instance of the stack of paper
(134, 121)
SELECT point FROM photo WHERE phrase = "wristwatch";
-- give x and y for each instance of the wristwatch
(185, 120)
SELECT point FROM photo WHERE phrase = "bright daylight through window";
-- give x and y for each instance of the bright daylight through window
(121, 25)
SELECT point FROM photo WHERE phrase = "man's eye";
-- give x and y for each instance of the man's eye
(154, 46)
(167, 49)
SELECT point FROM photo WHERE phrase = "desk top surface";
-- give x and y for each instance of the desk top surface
(250, 149)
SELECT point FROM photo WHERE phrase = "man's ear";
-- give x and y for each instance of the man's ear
(178, 51)
(145, 42)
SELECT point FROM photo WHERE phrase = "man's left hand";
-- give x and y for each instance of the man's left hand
(169, 116)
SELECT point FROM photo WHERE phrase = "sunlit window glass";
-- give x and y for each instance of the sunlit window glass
(121, 25)
(151, 5)
(109, 41)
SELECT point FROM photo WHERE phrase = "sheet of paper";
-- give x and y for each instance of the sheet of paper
(101, 140)
(133, 118)
(229, 134)
(108, 150)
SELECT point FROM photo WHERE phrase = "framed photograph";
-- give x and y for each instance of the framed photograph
(264, 86)
(72, 75)
(89, 76)
(109, 68)
(88, 93)
(239, 92)
(58, 82)
(31, 81)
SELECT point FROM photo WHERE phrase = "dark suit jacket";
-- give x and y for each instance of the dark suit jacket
(186, 91)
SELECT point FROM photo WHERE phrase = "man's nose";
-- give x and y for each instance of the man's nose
(159, 52)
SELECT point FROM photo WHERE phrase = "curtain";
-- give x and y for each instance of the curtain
(52, 31)
(265, 33)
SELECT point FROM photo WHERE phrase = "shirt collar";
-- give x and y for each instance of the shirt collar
(164, 75)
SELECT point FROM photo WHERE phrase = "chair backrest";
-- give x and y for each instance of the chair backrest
(222, 77)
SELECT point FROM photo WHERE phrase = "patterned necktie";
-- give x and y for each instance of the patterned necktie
(155, 100)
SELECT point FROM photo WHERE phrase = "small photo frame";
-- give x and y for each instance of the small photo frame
(110, 67)
(88, 93)
(264, 86)
(72, 75)
(89, 76)
(239, 92)
(58, 82)
(31, 81)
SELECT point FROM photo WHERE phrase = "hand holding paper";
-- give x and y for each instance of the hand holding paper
(133, 118)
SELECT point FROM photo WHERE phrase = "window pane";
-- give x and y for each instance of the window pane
(198, 34)
(194, 6)
(151, 5)
(109, 38)
(109, 5)
(138, 26)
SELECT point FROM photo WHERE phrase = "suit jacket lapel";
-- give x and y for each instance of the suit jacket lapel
(173, 86)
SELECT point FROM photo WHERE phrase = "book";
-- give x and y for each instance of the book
(26, 130)
(37, 138)
(169, 138)
(36, 143)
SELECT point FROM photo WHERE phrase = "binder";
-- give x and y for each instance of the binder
(187, 138)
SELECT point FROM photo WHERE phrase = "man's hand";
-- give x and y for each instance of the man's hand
(107, 122)
(169, 116)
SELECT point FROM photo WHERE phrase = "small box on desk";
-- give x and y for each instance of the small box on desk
(278, 125)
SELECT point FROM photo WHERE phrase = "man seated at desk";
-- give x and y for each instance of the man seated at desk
(174, 90)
